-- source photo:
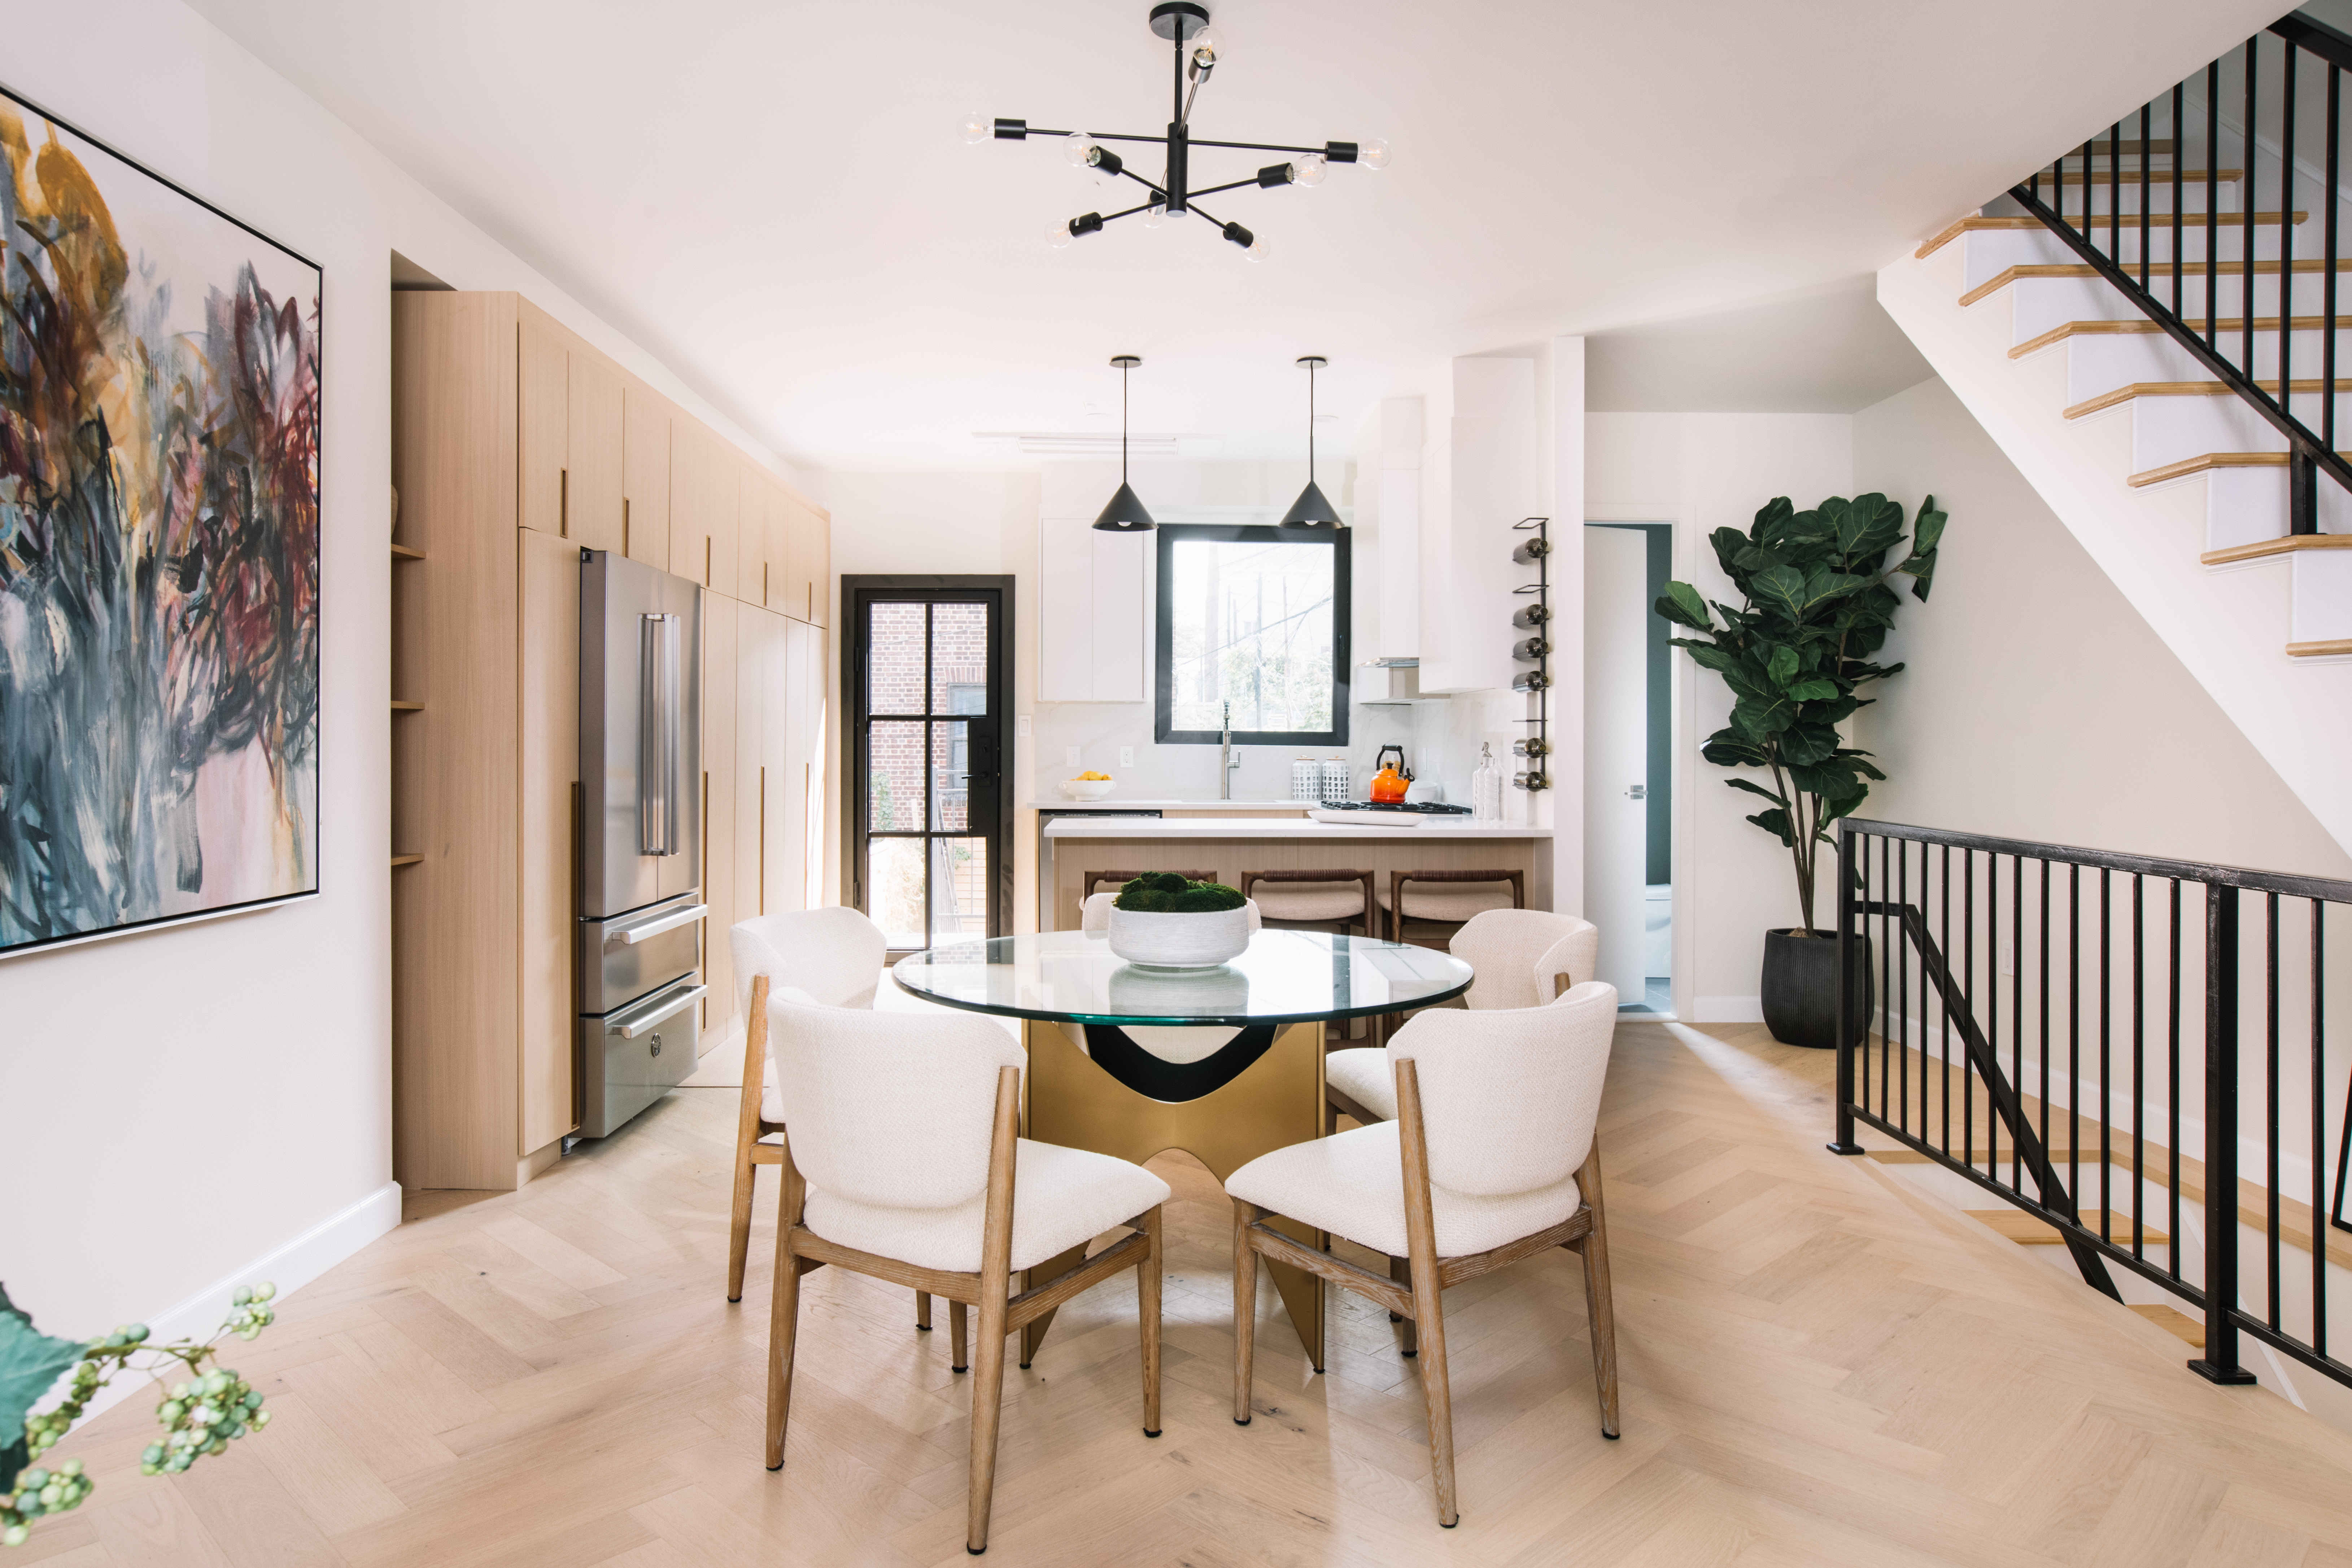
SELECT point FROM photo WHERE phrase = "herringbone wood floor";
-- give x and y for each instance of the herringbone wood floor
(1821, 1366)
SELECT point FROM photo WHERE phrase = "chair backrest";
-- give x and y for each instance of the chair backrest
(1515, 953)
(834, 955)
(1508, 1097)
(890, 1108)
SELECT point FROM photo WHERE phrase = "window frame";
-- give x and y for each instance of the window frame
(1171, 535)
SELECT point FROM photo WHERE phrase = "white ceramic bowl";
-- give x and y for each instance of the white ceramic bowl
(1179, 941)
(1087, 789)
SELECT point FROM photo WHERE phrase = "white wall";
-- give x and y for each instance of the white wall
(1703, 472)
(193, 1107)
(2037, 703)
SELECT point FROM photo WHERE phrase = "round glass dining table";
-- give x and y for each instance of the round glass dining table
(1226, 1063)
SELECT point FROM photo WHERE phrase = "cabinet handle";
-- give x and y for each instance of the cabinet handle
(564, 502)
(630, 1026)
(630, 935)
(625, 525)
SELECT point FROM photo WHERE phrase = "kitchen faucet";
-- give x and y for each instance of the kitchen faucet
(1227, 761)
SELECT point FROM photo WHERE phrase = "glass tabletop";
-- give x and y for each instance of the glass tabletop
(1284, 976)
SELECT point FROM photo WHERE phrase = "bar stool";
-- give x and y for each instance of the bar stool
(1468, 892)
(1313, 900)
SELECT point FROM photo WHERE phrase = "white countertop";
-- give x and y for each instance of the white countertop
(1114, 803)
(1274, 827)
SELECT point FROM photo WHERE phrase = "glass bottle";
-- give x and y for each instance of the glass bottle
(1486, 786)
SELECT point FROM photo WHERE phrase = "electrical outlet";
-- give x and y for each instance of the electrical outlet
(1127, 756)
(1020, 726)
(1070, 758)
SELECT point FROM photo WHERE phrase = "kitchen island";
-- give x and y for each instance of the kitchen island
(1075, 847)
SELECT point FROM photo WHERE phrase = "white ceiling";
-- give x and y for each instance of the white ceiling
(771, 197)
(1827, 350)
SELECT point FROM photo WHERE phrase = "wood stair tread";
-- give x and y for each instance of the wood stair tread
(2028, 1230)
(2331, 648)
(2205, 462)
(2188, 269)
(2288, 545)
(2132, 176)
(2131, 390)
(2174, 1321)
(2142, 325)
(1980, 224)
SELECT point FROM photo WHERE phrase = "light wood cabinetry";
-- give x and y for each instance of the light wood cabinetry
(515, 447)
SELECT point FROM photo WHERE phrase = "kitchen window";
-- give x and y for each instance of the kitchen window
(1255, 618)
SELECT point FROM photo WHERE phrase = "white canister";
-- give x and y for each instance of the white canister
(1335, 780)
(1306, 779)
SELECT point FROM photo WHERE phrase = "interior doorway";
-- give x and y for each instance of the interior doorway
(1629, 760)
(929, 673)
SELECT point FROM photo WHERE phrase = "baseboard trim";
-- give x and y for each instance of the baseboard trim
(289, 1268)
(1727, 1009)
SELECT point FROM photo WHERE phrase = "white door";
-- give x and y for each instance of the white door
(1616, 750)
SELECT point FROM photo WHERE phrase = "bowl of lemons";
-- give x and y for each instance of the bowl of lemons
(1088, 786)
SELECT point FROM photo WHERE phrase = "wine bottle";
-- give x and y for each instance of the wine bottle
(1534, 550)
(1533, 681)
(1533, 648)
(1532, 615)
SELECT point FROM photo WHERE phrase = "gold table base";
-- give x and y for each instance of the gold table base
(1273, 1102)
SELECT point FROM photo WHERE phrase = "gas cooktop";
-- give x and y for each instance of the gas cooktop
(1430, 807)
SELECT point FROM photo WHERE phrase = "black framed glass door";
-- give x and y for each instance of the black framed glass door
(929, 673)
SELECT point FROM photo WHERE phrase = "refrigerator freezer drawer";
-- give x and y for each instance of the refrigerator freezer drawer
(629, 955)
(630, 1058)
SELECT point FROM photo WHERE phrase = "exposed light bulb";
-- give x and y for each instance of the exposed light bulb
(1309, 169)
(1079, 148)
(1256, 251)
(975, 127)
(1155, 214)
(1058, 235)
(1208, 48)
(1373, 154)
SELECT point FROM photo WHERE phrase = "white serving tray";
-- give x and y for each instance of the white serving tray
(1370, 819)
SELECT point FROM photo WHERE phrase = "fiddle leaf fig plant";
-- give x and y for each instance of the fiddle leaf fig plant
(1816, 605)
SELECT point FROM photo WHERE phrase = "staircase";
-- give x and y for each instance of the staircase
(2118, 322)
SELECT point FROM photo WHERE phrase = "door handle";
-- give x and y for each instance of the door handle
(657, 737)
(1637, 793)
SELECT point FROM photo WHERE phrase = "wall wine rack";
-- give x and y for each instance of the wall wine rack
(1533, 627)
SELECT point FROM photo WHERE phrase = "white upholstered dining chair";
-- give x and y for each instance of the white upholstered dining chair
(902, 1161)
(832, 956)
(1491, 1159)
(1518, 958)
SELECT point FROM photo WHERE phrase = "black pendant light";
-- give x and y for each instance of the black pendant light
(1125, 515)
(1313, 509)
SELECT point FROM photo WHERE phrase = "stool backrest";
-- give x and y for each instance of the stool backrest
(834, 955)
(1515, 953)
(889, 1108)
(1508, 1097)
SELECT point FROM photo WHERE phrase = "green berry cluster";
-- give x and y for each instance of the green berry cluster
(1165, 893)
(200, 1417)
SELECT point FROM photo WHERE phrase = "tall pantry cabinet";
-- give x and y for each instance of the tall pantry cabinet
(515, 447)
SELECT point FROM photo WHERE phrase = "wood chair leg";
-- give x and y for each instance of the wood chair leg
(783, 1315)
(923, 1310)
(987, 1409)
(1599, 1311)
(1436, 1393)
(1147, 1311)
(956, 1360)
(739, 1223)
(1245, 1308)
(1401, 1271)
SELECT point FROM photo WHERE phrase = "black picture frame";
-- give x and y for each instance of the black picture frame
(1171, 535)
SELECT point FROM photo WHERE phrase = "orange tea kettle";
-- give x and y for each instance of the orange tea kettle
(1392, 776)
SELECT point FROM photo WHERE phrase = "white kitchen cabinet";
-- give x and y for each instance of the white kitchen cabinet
(1092, 613)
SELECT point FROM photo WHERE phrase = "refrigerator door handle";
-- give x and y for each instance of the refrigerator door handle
(658, 738)
(630, 1024)
(630, 935)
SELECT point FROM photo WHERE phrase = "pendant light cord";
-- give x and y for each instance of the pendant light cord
(1122, 424)
(1310, 425)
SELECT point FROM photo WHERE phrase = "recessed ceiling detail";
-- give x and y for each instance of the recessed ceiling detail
(1199, 50)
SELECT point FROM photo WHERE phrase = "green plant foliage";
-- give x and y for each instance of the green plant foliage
(1816, 608)
(1165, 893)
(30, 1364)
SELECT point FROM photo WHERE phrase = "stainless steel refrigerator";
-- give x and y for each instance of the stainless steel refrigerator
(641, 835)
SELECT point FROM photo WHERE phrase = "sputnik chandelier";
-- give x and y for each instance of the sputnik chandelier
(1198, 52)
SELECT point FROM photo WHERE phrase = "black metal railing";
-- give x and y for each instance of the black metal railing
(2122, 1047)
(2265, 120)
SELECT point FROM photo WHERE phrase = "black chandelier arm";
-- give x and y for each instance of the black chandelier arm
(1248, 146)
(1254, 146)
(1220, 223)
(1212, 190)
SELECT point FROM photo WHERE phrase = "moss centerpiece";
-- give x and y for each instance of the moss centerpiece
(1162, 921)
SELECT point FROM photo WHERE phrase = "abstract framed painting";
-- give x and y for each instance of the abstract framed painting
(159, 549)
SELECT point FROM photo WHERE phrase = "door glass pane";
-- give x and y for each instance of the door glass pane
(959, 889)
(894, 659)
(958, 658)
(950, 773)
(895, 776)
(895, 889)
(1250, 624)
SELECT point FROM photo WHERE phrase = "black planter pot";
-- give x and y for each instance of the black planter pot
(1801, 1004)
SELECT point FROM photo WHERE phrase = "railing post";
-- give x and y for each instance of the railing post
(2302, 489)
(2220, 1362)
(1845, 1042)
